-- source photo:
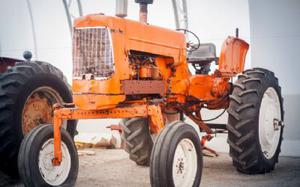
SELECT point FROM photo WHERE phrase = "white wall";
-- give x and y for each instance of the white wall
(52, 34)
(275, 38)
(47, 35)
(16, 33)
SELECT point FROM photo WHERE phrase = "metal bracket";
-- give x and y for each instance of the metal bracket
(277, 123)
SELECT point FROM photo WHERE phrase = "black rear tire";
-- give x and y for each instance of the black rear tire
(137, 139)
(163, 156)
(16, 86)
(28, 160)
(243, 122)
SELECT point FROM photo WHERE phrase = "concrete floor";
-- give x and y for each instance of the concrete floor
(113, 168)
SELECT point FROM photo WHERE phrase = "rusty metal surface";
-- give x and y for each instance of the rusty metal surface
(116, 127)
(37, 110)
(138, 87)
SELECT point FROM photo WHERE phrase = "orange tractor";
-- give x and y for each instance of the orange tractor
(139, 72)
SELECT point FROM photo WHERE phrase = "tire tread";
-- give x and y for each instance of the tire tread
(243, 121)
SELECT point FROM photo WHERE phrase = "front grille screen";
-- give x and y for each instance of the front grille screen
(92, 53)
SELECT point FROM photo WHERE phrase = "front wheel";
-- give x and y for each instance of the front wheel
(35, 159)
(176, 158)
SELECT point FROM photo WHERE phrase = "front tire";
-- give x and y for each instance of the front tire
(255, 123)
(35, 159)
(176, 158)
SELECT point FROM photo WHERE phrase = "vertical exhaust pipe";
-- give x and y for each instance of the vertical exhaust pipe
(121, 8)
(144, 9)
(143, 12)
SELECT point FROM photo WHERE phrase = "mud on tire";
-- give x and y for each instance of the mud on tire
(244, 124)
(17, 86)
(137, 138)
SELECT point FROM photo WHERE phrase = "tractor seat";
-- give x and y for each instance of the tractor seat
(205, 54)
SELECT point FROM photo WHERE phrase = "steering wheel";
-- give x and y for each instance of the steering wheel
(190, 45)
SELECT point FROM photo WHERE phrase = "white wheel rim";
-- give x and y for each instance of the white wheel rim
(54, 175)
(185, 164)
(269, 116)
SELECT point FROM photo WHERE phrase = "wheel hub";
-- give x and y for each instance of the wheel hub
(38, 108)
(270, 122)
(180, 166)
(184, 163)
(54, 175)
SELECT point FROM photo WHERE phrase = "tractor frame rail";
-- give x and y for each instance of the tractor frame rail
(61, 113)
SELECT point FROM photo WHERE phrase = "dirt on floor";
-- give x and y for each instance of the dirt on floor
(111, 167)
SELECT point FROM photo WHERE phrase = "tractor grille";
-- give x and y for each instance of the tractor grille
(92, 53)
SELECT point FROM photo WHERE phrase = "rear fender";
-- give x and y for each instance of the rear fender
(7, 62)
(232, 57)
